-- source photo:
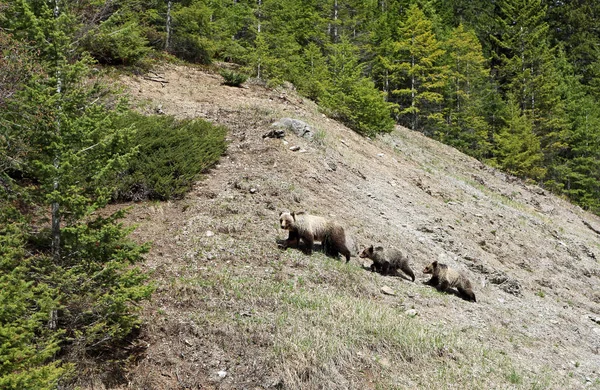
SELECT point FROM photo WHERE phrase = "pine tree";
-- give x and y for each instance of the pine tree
(527, 71)
(417, 72)
(464, 124)
(352, 97)
(518, 148)
(576, 170)
(314, 79)
(73, 153)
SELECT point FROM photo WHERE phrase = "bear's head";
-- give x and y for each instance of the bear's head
(286, 220)
(367, 252)
(430, 268)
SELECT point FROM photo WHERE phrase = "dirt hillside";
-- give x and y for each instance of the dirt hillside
(234, 311)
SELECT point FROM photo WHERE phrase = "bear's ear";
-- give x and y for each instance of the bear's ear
(371, 248)
(435, 263)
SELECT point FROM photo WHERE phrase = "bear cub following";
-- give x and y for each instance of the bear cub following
(443, 277)
(311, 228)
(387, 261)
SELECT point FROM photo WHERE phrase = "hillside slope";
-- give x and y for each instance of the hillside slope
(234, 311)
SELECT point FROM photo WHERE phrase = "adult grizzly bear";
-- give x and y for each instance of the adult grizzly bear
(311, 228)
(443, 277)
(387, 261)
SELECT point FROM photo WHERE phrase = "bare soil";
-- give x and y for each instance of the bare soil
(532, 257)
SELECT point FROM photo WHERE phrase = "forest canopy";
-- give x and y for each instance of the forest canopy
(510, 82)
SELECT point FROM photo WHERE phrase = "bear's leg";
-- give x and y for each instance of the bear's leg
(406, 269)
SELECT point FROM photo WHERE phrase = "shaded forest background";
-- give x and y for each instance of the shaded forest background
(514, 83)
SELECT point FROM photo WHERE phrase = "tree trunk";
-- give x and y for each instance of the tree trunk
(168, 27)
(55, 205)
(335, 18)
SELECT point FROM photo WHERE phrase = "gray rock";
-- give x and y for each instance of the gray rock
(294, 148)
(411, 313)
(387, 290)
(298, 127)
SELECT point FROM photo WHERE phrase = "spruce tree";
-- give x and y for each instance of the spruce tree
(74, 154)
(417, 72)
(464, 124)
(528, 73)
(352, 97)
(518, 148)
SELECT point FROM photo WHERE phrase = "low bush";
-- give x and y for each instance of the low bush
(232, 78)
(172, 155)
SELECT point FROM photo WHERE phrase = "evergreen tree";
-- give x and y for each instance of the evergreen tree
(352, 97)
(464, 124)
(73, 154)
(576, 170)
(314, 78)
(527, 71)
(573, 25)
(417, 72)
(518, 148)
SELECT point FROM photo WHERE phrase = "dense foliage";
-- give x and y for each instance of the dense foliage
(510, 82)
(70, 286)
(171, 155)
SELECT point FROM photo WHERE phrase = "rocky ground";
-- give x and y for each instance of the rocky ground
(233, 310)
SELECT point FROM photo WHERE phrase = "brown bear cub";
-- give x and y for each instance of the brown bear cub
(387, 261)
(443, 277)
(311, 228)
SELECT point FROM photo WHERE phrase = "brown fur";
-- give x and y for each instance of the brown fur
(311, 228)
(387, 262)
(444, 277)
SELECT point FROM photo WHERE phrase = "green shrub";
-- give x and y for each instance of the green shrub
(191, 48)
(232, 78)
(27, 346)
(172, 155)
(117, 42)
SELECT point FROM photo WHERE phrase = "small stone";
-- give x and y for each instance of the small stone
(384, 362)
(380, 155)
(387, 290)
(253, 190)
(411, 313)
(209, 233)
(222, 374)
(294, 148)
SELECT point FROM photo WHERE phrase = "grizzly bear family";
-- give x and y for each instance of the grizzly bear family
(310, 228)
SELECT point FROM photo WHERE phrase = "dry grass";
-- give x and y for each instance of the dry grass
(322, 329)
(232, 301)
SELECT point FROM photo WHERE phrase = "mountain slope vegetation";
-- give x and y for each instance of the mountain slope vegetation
(234, 310)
